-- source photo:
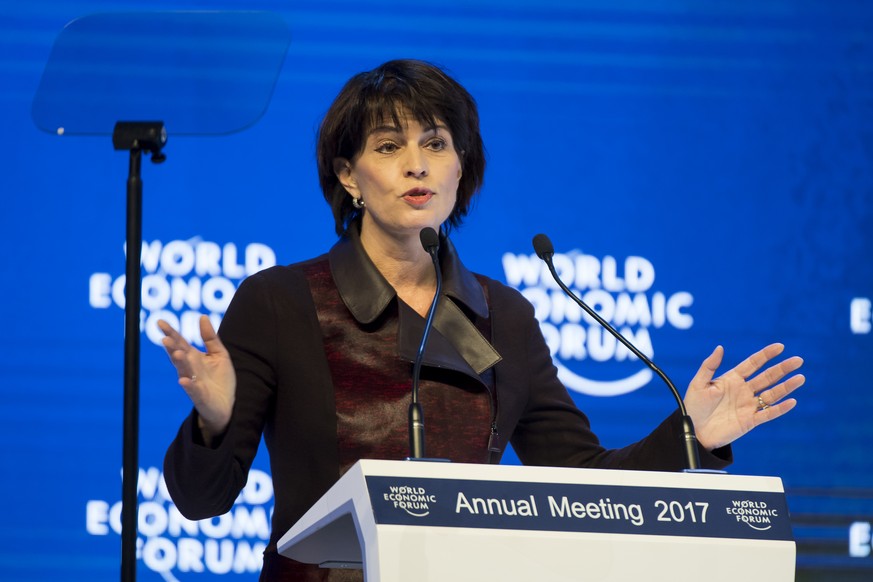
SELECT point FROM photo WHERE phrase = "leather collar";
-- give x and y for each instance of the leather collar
(367, 294)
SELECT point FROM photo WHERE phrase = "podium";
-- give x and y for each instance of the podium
(403, 520)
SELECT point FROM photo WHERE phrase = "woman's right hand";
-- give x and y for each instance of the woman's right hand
(208, 378)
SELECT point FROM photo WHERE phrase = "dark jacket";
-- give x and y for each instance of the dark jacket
(284, 388)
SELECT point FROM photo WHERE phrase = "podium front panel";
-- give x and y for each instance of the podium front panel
(437, 521)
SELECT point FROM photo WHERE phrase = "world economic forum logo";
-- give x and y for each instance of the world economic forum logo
(621, 291)
(415, 501)
(758, 515)
(179, 549)
(181, 280)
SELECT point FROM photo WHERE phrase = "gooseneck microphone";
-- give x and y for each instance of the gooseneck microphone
(544, 249)
(430, 241)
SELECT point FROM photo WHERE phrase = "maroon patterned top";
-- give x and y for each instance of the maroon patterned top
(372, 386)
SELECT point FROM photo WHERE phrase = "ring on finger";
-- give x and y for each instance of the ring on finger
(194, 379)
(761, 404)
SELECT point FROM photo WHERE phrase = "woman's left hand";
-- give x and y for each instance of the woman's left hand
(726, 408)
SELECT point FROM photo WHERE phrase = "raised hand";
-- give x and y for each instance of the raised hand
(731, 405)
(208, 378)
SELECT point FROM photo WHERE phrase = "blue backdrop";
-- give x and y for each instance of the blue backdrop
(703, 168)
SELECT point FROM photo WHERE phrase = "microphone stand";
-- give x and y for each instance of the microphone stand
(136, 137)
(431, 243)
(545, 251)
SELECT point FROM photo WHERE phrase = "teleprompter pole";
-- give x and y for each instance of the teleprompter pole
(136, 137)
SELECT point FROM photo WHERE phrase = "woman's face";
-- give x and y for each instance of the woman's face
(407, 177)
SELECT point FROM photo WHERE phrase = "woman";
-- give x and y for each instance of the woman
(317, 356)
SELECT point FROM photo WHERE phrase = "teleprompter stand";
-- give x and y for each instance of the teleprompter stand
(151, 138)
(203, 74)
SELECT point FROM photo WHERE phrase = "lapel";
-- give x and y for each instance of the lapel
(454, 343)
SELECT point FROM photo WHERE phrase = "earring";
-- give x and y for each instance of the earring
(358, 203)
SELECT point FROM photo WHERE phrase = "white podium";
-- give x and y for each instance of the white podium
(423, 521)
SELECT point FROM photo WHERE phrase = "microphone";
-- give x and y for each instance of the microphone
(430, 242)
(545, 251)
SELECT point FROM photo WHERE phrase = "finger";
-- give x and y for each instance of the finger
(708, 367)
(775, 373)
(173, 345)
(168, 330)
(185, 362)
(775, 411)
(177, 354)
(210, 338)
(172, 339)
(182, 355)
(780, 391)
(753, 363)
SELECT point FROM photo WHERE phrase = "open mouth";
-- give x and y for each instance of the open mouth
(418, 196)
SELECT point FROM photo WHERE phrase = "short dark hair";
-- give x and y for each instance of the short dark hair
(417, 88)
